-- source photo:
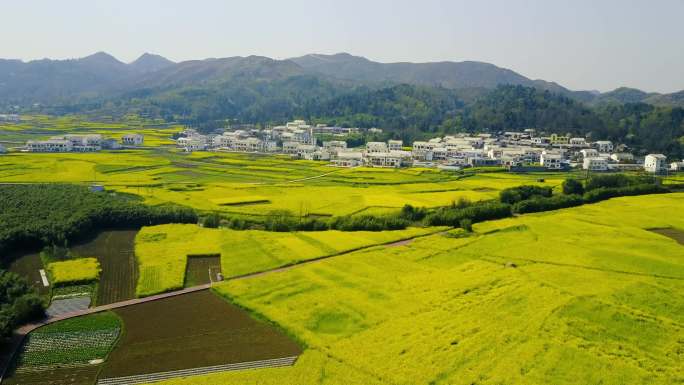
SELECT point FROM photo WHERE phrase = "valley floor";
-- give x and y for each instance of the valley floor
(578, 296)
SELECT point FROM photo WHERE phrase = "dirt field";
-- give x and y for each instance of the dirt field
(189, 331)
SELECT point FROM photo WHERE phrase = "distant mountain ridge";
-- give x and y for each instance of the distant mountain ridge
(103, 76)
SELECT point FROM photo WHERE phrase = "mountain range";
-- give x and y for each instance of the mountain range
(103, 76)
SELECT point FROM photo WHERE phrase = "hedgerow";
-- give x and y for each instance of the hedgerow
(43, 214)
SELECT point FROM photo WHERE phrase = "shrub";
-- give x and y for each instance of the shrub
(461, 203)
(413, 214)
(537, 204)
(19, 302)
(281, 221)
(520, 193)
(603, 193)
(211, 221)
(614, 181)
(572, 186)
(447, 216)
(466, 224)
(368, 223)
(52, 214)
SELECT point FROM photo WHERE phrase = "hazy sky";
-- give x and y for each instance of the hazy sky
(581, 44)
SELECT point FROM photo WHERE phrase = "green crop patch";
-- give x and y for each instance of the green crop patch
(72, 349)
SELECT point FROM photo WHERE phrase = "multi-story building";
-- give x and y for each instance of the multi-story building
(132, 140)
(376, 147)
(551, 160)
(655, 163)
(395, 145)
(595, 164)
(604, 146)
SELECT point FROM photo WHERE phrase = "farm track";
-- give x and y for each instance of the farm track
(400, 242)
(156, 377)
(23, 331)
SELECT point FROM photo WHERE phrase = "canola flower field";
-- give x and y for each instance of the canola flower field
(254, 185)
(582, 295)
(588, 295)
(162, 251)
(40, 127)
(74, 271)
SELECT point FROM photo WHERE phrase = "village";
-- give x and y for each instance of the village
(517, 151)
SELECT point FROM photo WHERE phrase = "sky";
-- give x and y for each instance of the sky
(580, 44)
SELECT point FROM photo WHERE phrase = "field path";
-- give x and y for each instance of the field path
(312, 177)
(21, 333)
(401, 242)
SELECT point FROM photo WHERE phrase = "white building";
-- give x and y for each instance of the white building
(376, 147)
(348, 159)
(291, 148)
(2, 149)
(193, 143)
(249, 145)
(388, 159)
(335, 145)
(677, 166)
(132, 140)
(551, 160)
(589, 153)
(9, 118)
(595, 164)
(50, 145)
(395, 145)
(604, 146)
(655, 163)
(577, 142)
(622, 157)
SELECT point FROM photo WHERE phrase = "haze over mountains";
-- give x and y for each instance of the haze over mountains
(102, 75)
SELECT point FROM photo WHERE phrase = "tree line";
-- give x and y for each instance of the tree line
(38, 215)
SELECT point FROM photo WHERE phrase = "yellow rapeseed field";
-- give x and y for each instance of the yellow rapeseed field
(584, 295)
(162, 250)
(74, 270)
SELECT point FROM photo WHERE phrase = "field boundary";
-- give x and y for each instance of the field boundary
(161, 376)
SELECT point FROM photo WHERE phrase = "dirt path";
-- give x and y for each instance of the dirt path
(312, 177)
(23, 331)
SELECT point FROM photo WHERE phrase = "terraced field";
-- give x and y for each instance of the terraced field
(42, 127)
(253, 185)
(584, 295)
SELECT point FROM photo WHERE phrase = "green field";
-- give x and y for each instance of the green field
(162, 251)
(585, 295)
(65, 351)
(589, 295)
(42, 127)
(248, 184)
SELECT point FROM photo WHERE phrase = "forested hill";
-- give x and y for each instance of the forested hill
(408, 100)
(411, 112)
